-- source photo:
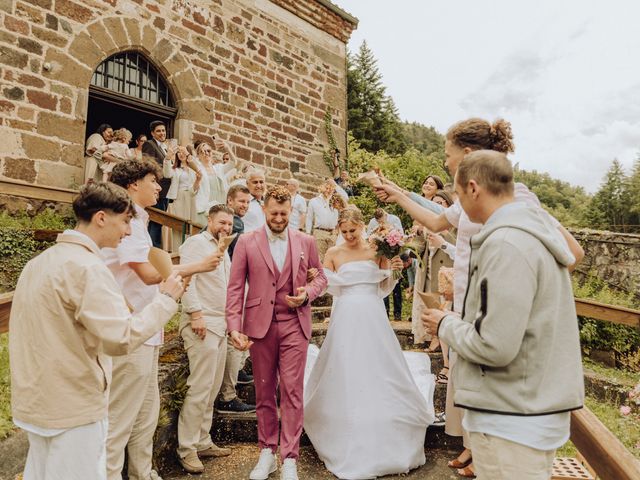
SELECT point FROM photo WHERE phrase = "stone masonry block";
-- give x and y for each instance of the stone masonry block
(86, 51)
(55, 125)
(38, 148)
(20, 169)
(66, 70)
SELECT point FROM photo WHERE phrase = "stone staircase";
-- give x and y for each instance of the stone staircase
(240, 430)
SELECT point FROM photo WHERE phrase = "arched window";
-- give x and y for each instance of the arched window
(131, 74)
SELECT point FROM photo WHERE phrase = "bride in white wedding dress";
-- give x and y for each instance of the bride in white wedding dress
(364, 413)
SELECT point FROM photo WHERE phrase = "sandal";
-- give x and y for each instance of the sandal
(466, 472)
(443, 379)
(434, 346)
(455, 463)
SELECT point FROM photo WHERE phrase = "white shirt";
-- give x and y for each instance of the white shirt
(278, 244)
(542, 432)
(391, 220)
(298, 208)
(134, 248)
(254, 218)
(207, 291)
(321, 215)
(466, 229)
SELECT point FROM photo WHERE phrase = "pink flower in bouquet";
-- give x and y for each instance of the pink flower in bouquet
(395, 238)
(625, 410)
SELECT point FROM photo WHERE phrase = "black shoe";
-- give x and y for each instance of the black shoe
(244, 378)
(235, 406)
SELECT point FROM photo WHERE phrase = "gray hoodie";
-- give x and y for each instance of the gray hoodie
(517, 342)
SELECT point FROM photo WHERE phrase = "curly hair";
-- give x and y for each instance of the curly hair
(337, 202)
(279, 193)
(479, 134)
(126, 173)
(122, 134)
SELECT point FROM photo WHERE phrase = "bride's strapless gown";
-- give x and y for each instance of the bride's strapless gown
(366, 404)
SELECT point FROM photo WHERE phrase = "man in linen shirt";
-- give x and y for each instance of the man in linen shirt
(203, 329)
(298, 205)
(134, 400)
(322, 218)
(256, 184)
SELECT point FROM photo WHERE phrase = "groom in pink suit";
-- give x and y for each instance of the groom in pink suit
(273, 262)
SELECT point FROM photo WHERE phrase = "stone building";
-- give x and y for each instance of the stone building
(259, 74)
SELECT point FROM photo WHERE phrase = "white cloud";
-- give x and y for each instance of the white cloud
(566, 74)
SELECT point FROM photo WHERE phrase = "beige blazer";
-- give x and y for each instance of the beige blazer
(68, 315)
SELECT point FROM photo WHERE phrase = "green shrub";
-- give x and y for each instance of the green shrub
(624, 341)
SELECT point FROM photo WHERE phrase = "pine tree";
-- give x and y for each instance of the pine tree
(610, 206)
(373, 117)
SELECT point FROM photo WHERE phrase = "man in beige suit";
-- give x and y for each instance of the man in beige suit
(68, 317)
(203, 329)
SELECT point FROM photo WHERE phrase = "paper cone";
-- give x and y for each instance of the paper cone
(430, 300)
(370, 178)
(161, 261)
(224, 242)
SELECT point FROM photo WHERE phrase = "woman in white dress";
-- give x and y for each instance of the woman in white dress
(364, 413)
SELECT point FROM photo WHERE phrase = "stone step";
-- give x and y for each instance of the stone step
(320, 314)
(244, 456)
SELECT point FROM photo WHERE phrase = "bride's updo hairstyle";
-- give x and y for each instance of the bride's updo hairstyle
(479, 134)
(351, 214)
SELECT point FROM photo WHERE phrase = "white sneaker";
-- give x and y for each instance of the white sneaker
(289, 470)
(266, 465)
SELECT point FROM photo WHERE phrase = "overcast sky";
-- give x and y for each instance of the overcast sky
(565, 73)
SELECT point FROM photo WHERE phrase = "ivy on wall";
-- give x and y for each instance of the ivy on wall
(327, 154)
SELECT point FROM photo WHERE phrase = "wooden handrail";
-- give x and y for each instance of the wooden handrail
(601, 449)
(608, 313)
(5, 310)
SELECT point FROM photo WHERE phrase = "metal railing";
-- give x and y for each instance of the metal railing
(604, 453)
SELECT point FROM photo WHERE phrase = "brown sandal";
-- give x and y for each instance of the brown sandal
(466, 472)
(443, 379)
(457, 464)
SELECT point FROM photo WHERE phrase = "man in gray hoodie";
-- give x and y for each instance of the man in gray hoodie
(519, 372)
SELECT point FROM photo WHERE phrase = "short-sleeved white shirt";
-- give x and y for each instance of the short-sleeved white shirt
(254, 218)
(134, 248)
(298, 208)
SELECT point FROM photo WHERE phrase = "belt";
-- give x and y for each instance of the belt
(323, 229)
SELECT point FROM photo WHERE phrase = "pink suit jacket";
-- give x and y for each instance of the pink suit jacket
(252, 263)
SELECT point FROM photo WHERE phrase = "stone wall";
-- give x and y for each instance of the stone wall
(257, 73)
(612, 256)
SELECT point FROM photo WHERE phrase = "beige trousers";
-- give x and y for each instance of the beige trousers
(206, 367)
(233, 365)
(495, 458)
(324, 241)
(76, 454)
(134, 405)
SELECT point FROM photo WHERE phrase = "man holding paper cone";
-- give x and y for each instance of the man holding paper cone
(203, 329)
(134, 400)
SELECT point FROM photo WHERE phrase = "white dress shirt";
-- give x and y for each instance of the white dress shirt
(207, 291)
(254, 218)
(298, 209)
(321, 215)
(134, 248)
(278, 243)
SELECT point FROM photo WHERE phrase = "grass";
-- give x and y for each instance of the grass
(625, 428)
(617, 375)
(5, 388)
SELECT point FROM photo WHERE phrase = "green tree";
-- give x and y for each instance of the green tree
(373, 117)
(610, 206)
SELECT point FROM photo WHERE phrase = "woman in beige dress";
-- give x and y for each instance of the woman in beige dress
(92, 157)
(185, 182)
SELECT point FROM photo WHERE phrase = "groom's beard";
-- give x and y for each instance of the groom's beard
(278, 228)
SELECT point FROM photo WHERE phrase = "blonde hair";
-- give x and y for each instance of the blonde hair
(490, 169)
(479, 134)
(351, 214)
(122, 134)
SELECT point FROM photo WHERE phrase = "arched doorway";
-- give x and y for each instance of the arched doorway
(127, 91)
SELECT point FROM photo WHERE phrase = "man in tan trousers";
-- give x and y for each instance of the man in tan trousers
(134, 401)
(203, 329)
(68, 317)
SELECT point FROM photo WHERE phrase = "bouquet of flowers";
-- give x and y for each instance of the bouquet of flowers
(389, 243)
